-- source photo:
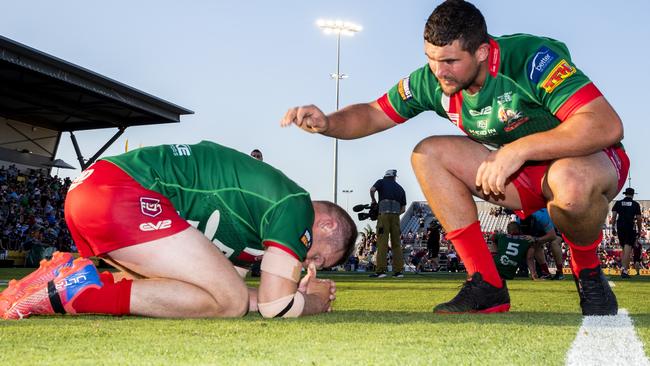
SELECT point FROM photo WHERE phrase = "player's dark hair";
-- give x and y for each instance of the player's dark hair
(345, 235)
(456, 20)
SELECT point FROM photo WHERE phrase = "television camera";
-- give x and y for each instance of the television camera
(371, 211)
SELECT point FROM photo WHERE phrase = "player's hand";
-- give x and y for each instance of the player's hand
(494, 171)
(310, 276)
(325, 290)
(309, 282)
(310, 118)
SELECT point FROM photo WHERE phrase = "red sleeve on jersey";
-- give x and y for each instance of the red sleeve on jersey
(269, 243)
(583, 96)
(389, 110)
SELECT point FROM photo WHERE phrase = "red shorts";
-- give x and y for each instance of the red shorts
(528, 180)
(106, 209)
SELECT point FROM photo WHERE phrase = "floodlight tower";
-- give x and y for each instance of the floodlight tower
(337, 27)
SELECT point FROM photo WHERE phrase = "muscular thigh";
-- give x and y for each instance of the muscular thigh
(581, 176)
(187, 256)
(462, 157)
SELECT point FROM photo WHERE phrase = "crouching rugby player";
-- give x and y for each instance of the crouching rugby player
(183, 223)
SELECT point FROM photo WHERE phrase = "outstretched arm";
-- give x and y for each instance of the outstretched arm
(351, 122)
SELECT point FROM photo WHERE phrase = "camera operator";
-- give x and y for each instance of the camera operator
(392, 203)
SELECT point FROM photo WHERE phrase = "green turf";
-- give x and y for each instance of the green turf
(375, 322)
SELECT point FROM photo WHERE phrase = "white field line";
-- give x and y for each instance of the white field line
(607, 340)
(611, 284)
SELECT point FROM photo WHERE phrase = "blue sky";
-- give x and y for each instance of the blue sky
(240, 65)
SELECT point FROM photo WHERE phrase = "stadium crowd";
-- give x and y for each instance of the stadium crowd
(31, 211)
(419, 260)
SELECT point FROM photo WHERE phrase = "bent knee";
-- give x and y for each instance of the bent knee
(236, 305)
(572, 191)
(432, 146)
(232, 303)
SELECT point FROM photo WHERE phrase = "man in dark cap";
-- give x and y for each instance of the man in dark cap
(625, 214)
(392, 203)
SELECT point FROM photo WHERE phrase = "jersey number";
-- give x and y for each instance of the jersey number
(513, 249)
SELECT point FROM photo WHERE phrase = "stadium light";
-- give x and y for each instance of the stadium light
(337, 27)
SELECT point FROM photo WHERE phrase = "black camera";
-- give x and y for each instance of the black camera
(372, 213)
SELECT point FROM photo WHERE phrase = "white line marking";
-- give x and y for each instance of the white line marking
(607, 340)
(611, 284)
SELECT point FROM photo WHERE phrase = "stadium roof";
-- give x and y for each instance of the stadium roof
(43, 91)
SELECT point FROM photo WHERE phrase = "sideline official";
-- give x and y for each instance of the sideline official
(625, 214)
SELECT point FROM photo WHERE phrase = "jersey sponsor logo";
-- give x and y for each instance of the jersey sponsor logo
(557, 76)
(150, 206)
(626, 204)
(482, 124)
(160, 225)
(80, 179)
(504, 98)
(483, 133)
(481, 112)
(540, 62)
(512, 119)
(404, 89)
(181, 150)
(506, 261)
(305, 238)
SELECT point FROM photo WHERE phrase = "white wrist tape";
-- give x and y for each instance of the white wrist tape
(290, 306)
(282, 265)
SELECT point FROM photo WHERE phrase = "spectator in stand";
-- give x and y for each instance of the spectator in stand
(410, 237)
(392, 203)
(626, 214)
(31, 206)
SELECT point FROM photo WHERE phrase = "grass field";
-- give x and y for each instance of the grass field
(375, 322)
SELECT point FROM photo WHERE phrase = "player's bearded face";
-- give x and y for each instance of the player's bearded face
(454, 68)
